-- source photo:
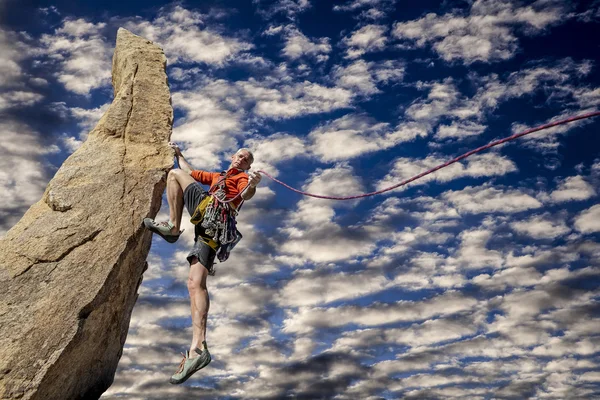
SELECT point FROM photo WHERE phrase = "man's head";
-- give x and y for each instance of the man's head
(242, 159)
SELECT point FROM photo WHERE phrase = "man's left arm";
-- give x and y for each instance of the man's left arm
(250, 190)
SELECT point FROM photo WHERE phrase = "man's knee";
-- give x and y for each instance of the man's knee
(179, 176)
(195, 283)
(174, 173)
(197, 278)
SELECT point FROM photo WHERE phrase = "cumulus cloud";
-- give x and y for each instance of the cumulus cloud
(20, 187)
(298, 45)
(427, 333)
(18, 98)
(307, 319)
(222, 106)
(311, 230)
(349, 136)
(487, 33)
(543, 226)
(418, 286)
(364, 77)
(367, 39)
(14, 50)
(82, 53)
(465, 116)
(476, 166)
(86, 120)
(209, 128)
(588, 221)
(310, 288)
(185, 37)
(484, 199)
(352, 5)
(14, 81)
(274, 149)
(473, 252)
(370, 10)
(293, 100)
(572, 188)
(288, 8)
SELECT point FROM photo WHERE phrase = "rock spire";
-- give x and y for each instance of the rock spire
(71, 267)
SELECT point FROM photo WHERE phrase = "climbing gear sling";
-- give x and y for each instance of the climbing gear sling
(217, 217)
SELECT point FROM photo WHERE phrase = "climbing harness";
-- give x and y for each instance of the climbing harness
(217, 217)
(432, 170)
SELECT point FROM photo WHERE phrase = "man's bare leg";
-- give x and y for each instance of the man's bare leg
(177, 181)
(200, 303)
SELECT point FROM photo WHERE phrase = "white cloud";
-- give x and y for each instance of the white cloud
(588, 221)
(592, 376)
(543, 226)
(372, 10)
(427, 333)
(70, 143)
(473, 252)
(209, 128)
(309, 288)
(18, 98)
(464, 116)
(289, 8)
(364, 77)
(459, 130)
(486, 34)
(311, 231)
(19, 187)
(549, 141)
(368, 39)
(484, 199)
(14, 50)
(572, 188)
(352, 5)
(86, 120)
(476, 166)
(297, 45)
(348, 137)
(276, 148)
(293, 100)
(13, 88)
(82, 54)
(307, 319)
(243, 299)
(222, 104)
(178, 31)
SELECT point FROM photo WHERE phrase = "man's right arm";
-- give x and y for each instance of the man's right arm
(183, 164)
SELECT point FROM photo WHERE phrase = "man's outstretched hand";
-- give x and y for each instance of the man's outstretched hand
(255, 178)
(175, 147)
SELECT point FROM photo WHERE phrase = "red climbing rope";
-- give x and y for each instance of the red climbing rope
(422, 174)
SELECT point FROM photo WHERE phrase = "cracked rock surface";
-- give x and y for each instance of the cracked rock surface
(70, 269)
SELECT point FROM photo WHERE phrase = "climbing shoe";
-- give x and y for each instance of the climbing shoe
(189, 365)
(163, 229)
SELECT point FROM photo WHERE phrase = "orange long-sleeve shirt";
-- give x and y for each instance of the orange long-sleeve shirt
(236, 181)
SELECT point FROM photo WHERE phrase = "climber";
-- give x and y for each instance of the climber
(183, 187)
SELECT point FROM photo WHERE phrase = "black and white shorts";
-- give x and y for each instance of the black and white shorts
(192, 196)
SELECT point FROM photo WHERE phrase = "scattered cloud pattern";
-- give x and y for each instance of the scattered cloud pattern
(479, 281)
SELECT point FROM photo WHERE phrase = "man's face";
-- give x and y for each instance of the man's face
(241, 160)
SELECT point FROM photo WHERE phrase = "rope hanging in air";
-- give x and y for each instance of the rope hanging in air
(432, 170)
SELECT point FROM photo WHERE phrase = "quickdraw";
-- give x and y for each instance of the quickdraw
(219, 221)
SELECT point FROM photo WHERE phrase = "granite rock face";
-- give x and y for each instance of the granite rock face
(71, 267)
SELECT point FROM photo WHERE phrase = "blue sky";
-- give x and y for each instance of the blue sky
(479, 281)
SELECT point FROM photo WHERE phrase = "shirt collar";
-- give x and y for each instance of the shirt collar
(234, 171)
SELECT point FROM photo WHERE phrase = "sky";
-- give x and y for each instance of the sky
(480, 281)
